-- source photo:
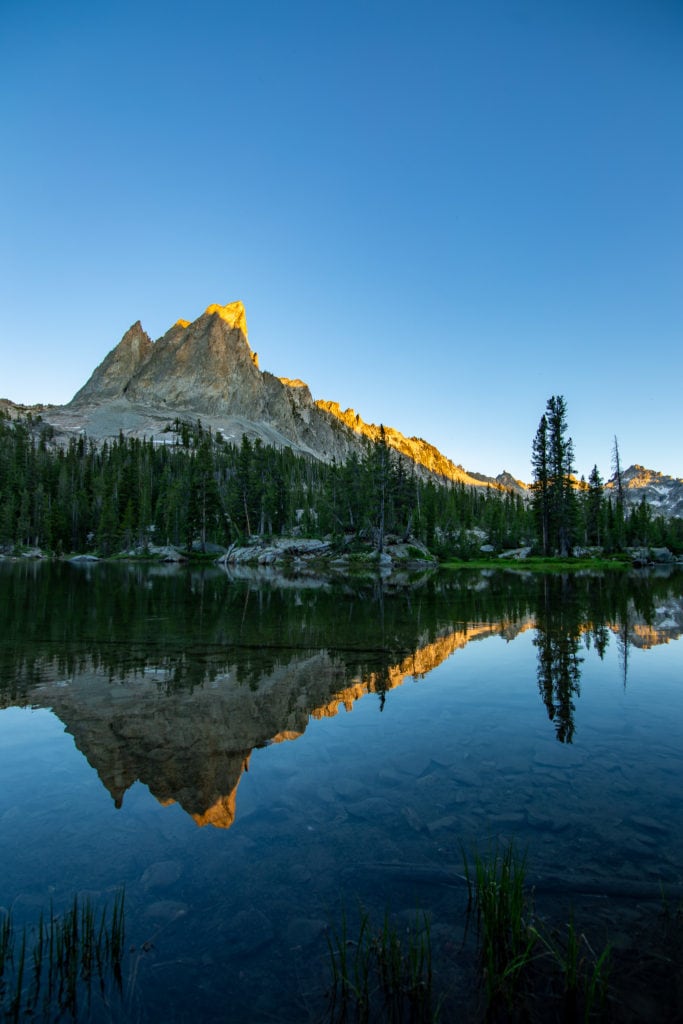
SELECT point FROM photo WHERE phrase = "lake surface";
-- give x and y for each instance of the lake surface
(253, 760)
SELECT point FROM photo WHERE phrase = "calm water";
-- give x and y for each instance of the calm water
(252, 760)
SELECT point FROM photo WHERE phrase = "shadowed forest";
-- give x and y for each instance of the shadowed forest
(124, 495)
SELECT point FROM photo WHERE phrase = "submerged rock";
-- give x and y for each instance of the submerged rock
(166, 911)
(161, 875)
(248, 931)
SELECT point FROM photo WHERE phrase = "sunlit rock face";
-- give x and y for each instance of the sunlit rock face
(415, 448)
(207, 366)
(202, 369)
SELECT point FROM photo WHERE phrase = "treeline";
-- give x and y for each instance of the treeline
(570, 514)
(199, 490)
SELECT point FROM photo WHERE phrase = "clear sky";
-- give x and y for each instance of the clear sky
(438, 213)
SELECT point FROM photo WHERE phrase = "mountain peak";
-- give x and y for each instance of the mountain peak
(511, 483)
(664, 494)
(234, 314)
(116, 369)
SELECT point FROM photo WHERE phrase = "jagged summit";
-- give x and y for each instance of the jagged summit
(511, 483)
(110, 377)
(205, 365)
(233, 313)
(193, 365)
(663, 493)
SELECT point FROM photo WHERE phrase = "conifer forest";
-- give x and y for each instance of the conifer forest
(197, 490)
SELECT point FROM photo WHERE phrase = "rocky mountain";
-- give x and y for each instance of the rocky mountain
(663, 493)
(506, 480)
(206, 369)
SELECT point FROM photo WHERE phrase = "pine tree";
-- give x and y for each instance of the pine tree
(553, 466)
(204, 511)
(378, 466)
(541, 483)
(594, 509)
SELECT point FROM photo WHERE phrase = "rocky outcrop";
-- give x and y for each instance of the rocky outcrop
(206, 365)
(504, 479)
(17, 411)
(398, 561)
(642, 556)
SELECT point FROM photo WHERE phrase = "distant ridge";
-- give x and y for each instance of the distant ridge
(663, 493)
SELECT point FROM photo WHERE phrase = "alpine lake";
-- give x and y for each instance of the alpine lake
(267, 768)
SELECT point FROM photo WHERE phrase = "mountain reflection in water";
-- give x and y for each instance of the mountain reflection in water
(175, 678)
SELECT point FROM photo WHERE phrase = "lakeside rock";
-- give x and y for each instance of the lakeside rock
(642, 556)
(260, 551)
(516, 554)
(303, 553)
(167, 553)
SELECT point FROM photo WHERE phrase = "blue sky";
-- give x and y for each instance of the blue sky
(439, 214)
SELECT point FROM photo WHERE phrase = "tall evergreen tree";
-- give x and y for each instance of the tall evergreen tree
(553, 466)
(204, 507)
(563, 503)
(616, 467)
(594, 509)
(378, 461)
(541, 483)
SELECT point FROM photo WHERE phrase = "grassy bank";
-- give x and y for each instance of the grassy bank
(539, 564)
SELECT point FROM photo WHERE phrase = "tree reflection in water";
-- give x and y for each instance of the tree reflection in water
(572, 610)
(558, 639)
